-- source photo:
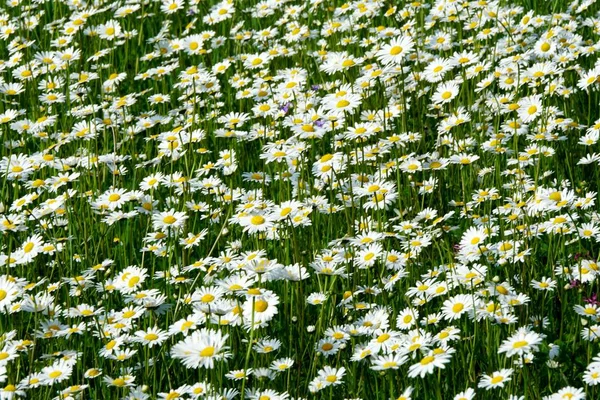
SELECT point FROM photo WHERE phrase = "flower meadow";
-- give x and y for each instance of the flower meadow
(288, 199)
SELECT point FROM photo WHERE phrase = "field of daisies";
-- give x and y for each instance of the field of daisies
(299, 199)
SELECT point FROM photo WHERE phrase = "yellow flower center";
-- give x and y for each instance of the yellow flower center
(383, 338)
(207, 298)
(169, 219)
(261, 305)
(327, 347)
(207, 352)
(119, 382)
(394, 51)
(150, 337)
(427, 360)
(55, 374)
(133, 281)
(28, 247)
(501, 289)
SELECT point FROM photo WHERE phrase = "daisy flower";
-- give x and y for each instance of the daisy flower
(530, 108)
(328, 347)
(521, 343)
(388, 361)
(57, 372)
(436, 69)
(31, 248)
(115, 198)
(169, 220)
(570, 393)
(396, 50)
(253, 223)
(171, 6)
(407, 318)
(468, 394)
(109, 30)
(428, 363)
(281, 364)
(496, 379)
(445, 93)
(267, 345)
(473, 237)
(332, 376)
(339, 61)
(456, 306)
(544, 284)
(151, 337)
(260, 309)
(120, 381)
(367, 257)
(592, 376)
(201, 349)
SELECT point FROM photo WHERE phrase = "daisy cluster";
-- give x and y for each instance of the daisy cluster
(284, 199)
